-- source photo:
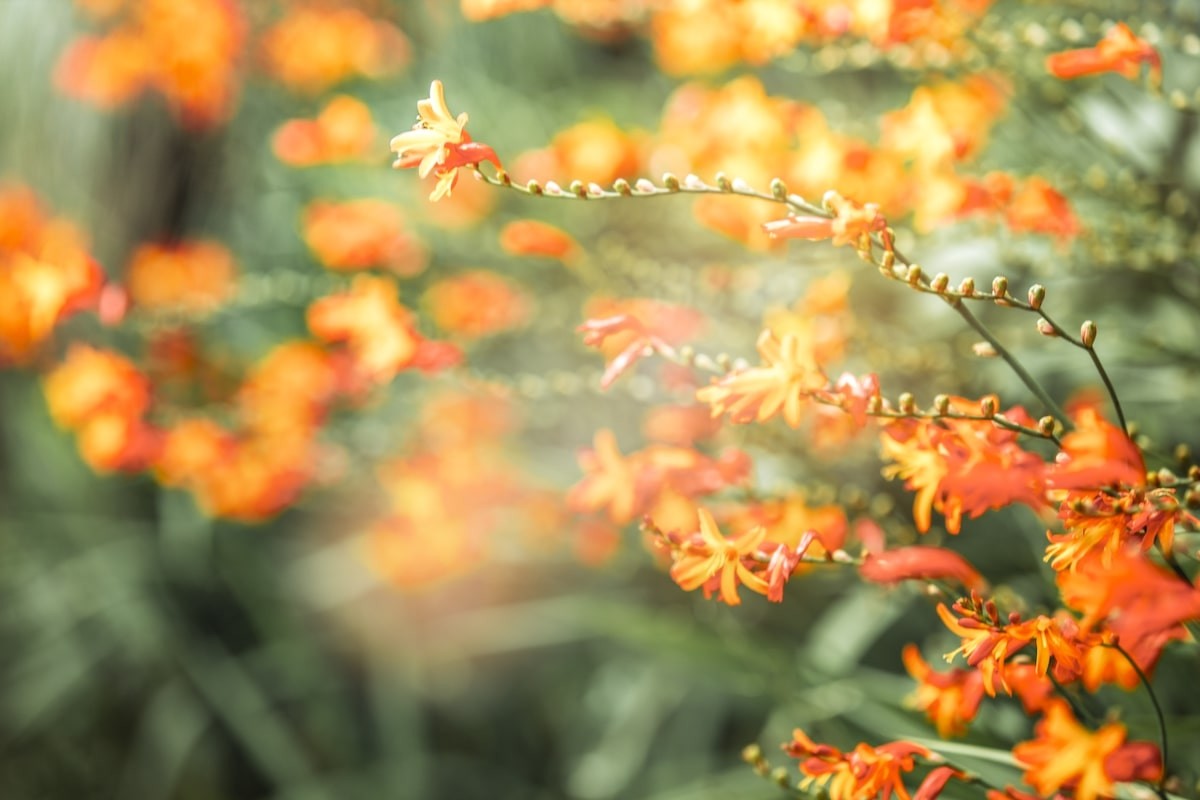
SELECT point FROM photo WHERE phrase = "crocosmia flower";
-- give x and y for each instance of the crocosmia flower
(439, 144)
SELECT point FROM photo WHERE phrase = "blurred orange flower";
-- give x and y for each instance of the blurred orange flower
(187, 50)
(1120, 51)
(46, 274)
(949, 699)
(191, 276)
(103, 398)
(376, 328)
(786, 379)
(315, 47)
(1066, 755)
(343, 131)
(528, 237)
(361, 234)
(710, 556)
(477, 303)
(866, 772)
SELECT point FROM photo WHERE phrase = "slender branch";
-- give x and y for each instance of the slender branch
(1158, 713)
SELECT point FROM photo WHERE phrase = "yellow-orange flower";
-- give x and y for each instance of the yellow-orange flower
(1066, 755)
(361, 234)
(376, 328)
(949, 699)
(477, 303)
(439, 144)
(195, 276)
(788, 376)
(314, 48)
(1121, 51)
(713, 556)
(865, 772)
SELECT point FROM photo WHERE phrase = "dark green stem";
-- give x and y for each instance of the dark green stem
(1158, 713)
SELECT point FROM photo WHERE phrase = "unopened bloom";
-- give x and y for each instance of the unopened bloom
(439, 144)
(1120, 51)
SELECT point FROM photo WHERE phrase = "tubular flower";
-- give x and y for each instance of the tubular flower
(1064, 754)
(949, 699)
(709, 555)
(625, 330)
(920, 563)
(439, 144)
(865, 772)
(962, 466)
(850, 224)
(1120, 51)
(987, 644)
(789, 374)
(1100, 523)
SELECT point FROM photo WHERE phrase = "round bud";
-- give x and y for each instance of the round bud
(988, 406)
(1045, 328)
(914, 275)
(1037, 294)
(670, 181)
(967, 287)
(779, 189)
(1047, 425)
(999, 286)
(984, 350)
(941, 404)
(907, 403)
(1087, 333)
(940, 282)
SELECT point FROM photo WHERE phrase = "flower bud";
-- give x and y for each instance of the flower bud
(577, 188)
(645, 187)
(553, 189)
(1047, 425)
(779, 189)
(621, 186)
(1087, 333)
(670, 181)
(984, 350)
(1037, 294)
(907, 403)
(887, 261)
(999, 286)
(533, 187)
(723, 182)
(1045, 328)
(913, 276)
(940, 282)
(967, 287)
(988, 405)
(941, 404)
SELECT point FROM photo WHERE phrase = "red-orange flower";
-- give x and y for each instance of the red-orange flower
(962, 466)
(949, 699)
(1066, 755)
(920, 563)
(865, 772)
(624, 330)
(850, 224)
(1120, 51)
(439, 144)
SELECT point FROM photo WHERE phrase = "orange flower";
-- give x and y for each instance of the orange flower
(1120, 51)
(103, 398)
(314, 48)
(711, 556)
(949, 699)
(850, 224)
(477, 303)
(527, 237)
(361, 234)
(920, 563)
(187, 50)
(789, 375)
(370, 319)
(865, 772)
(624, 330)
(962, 466)
(1037, 207)
(46, 274)
(1066, 755)
(343, 131)
(1096, 453)
(194, 276)
(439, 144)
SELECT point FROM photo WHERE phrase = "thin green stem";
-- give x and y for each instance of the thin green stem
(1158, 713)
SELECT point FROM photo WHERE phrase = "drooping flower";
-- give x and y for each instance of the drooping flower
(1065, 755)
(920, 563)
(1120, 51)
(439, 144)
(960, 466)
